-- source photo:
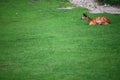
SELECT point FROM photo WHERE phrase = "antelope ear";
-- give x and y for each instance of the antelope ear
(84, 14)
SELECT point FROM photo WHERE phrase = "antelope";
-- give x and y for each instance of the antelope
(96, 20)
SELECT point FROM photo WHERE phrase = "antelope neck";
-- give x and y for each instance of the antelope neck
(89, 19)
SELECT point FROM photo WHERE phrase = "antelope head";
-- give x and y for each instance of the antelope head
(84, 16)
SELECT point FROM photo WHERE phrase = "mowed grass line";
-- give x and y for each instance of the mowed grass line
(40, 42)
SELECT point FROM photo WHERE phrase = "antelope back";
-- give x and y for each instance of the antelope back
(99, 20)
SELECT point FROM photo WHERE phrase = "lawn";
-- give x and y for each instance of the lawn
(40, 42)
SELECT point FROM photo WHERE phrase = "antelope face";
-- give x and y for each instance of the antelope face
(84, 16)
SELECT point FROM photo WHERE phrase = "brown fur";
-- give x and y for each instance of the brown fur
(96, 20)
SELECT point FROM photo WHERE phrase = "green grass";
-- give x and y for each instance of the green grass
(40, 42)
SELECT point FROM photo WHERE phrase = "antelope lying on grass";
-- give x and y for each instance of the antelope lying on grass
(96, 20)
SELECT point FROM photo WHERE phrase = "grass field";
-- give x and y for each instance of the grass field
(40, 42)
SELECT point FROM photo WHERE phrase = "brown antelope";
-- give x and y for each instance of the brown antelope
(96, 20)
